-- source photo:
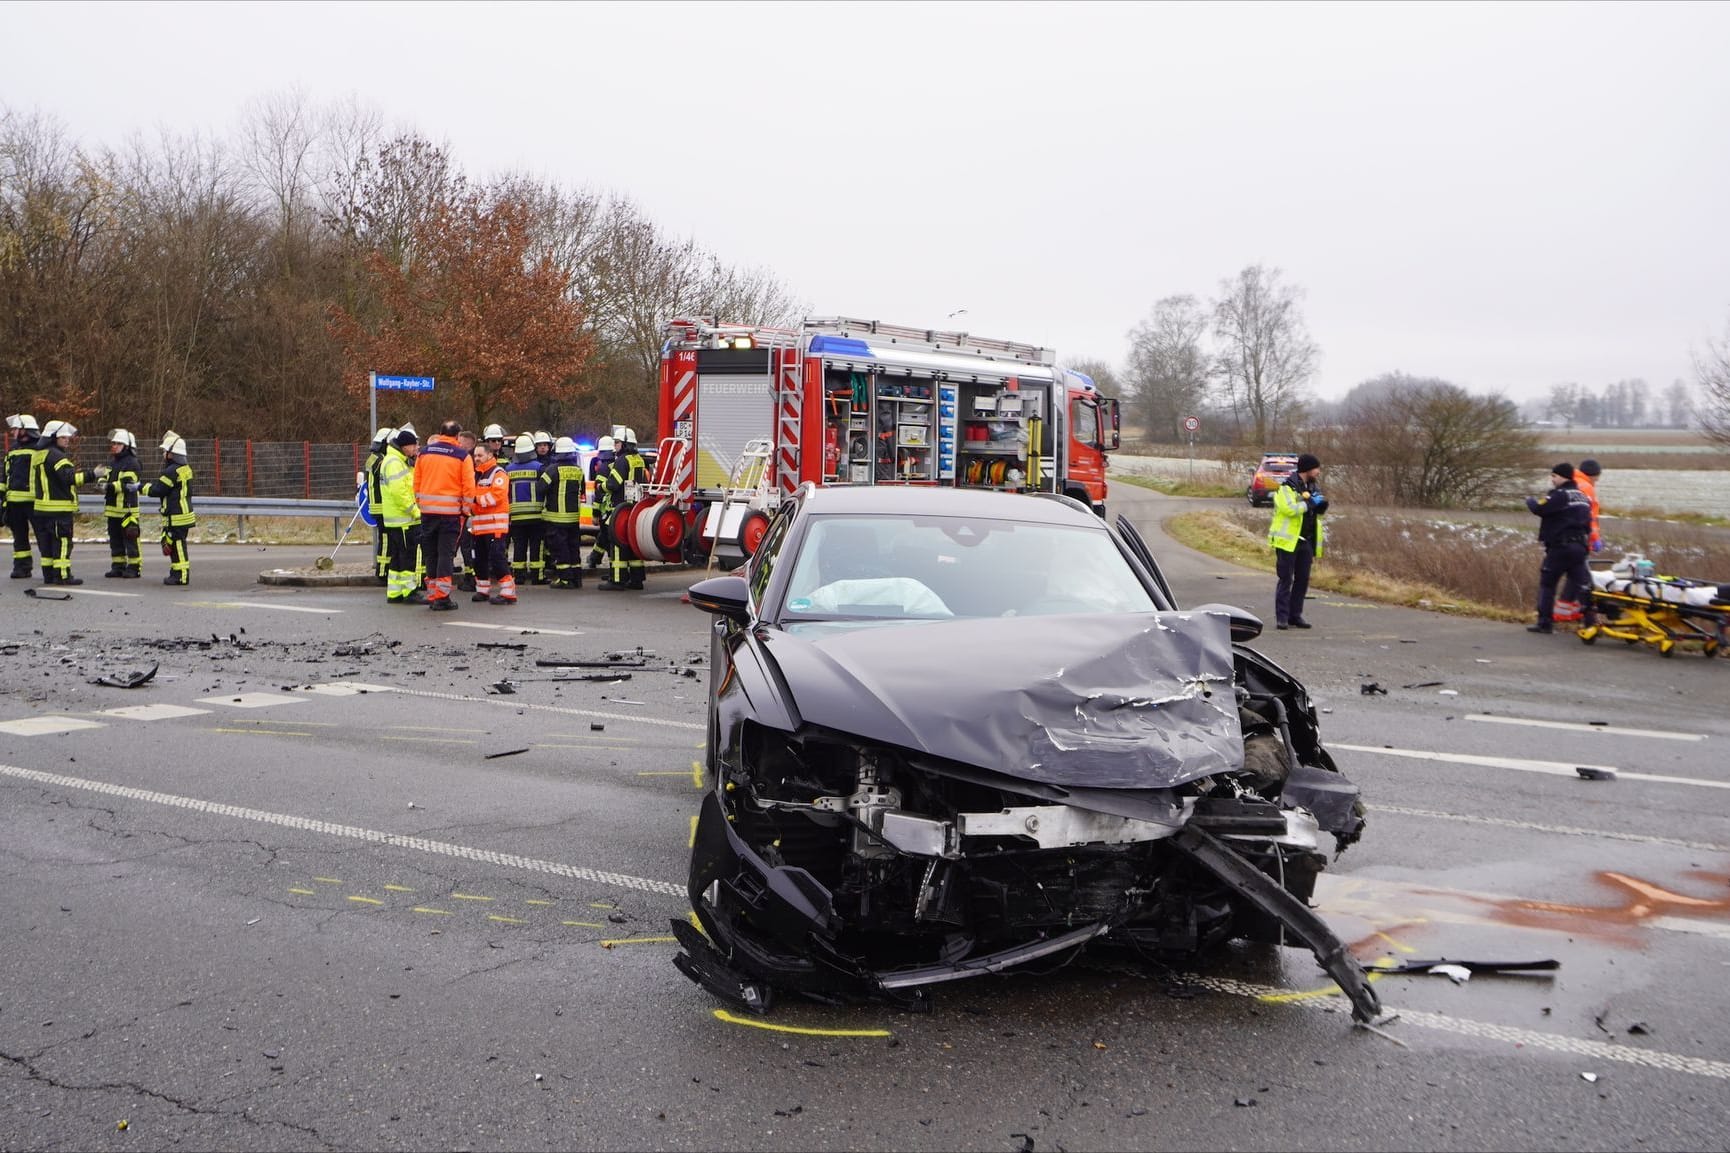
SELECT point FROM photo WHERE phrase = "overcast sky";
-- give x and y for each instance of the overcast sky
(1502, 195)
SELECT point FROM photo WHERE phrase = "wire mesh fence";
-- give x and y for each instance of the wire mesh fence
(296, 470)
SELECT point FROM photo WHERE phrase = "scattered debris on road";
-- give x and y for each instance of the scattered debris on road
(1372, 689)
(506, 753)
(1594, 773)
(126, 680)
(46, 595)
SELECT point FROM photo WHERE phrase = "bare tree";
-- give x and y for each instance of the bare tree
(1678, 403)
(1712, 378)
(1266, 355)
(1168, 366)
(1426, 442)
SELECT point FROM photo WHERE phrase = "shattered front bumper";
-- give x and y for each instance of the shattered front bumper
(766, 927)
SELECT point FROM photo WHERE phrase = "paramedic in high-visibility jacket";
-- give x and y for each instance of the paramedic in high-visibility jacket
(489, 525)
(399, 519)
(1296, 536)
(444, 488)
(629, 471)
(174, 489)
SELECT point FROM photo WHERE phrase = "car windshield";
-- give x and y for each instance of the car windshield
(879, 568)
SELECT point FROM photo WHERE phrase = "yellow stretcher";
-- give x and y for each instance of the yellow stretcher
(1664, 611)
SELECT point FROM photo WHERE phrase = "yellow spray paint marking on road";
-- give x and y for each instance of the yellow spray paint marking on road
(583, 924)
(723, 1015)
(366, 900)
(468, 897)
(429, 740)
(505, 920)
(662, 773)
(635, 941)
(1371, 974)
(303, 892)
(693, 841)
(433, 912)
(601, 905)
(327, 880)
(1397, 945)
(537, 901)
(397, 889)
(696, 774)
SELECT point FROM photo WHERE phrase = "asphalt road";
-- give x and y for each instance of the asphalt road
(265, 907)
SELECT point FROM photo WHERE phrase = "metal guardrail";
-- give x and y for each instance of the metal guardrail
(241, 507)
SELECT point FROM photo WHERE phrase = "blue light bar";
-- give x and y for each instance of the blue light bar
(839, 346)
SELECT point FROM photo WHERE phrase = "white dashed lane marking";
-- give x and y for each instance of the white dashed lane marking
(1482, 1030)
(260, 605)
(153, 712)
(46, 726)
(1518, 764)
(1575, 726)
(352, 832)
(252, 700)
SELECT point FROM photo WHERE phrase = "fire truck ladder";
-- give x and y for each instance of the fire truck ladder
(932, 338)
(789, 411)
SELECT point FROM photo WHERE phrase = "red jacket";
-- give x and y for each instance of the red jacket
(444, 478)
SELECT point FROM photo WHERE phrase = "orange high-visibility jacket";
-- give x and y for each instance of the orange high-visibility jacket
(444, 478)
(492, 507)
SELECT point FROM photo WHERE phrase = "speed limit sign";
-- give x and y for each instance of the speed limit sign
(1190, 424)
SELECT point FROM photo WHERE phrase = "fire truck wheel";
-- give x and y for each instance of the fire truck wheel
(751, 531)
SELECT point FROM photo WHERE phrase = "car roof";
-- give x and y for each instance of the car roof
(913, 500)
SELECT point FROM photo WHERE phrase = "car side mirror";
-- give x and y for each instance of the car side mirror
(1245, 625)
(729, 596)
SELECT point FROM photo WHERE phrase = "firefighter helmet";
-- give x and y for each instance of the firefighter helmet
(382, 435)
(56, 429)
(564, 446)
(28, 422)
(493, 432)
(607, 444)
(121, 436)
(630, 436)
(173, 444)
(542, 436)
(525, 444)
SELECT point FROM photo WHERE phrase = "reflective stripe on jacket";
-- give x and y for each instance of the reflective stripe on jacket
(396, 506)
(1289, 506)
(562, 488)
(117, 502)
(444, 478)
(525, 478)
(57, 481)
(174, 488)
(492, 506)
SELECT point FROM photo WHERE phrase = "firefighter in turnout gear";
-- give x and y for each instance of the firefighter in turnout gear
(489, 525)
(599, 465)
(56, 486)
(528, 565)
(444, 488)
(174, 489)
(629, 472)
(120, 503)
(22, 436)
(369, 477)
(399, 519)
(561, 488)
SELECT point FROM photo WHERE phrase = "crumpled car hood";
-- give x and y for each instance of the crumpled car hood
(1142, 700)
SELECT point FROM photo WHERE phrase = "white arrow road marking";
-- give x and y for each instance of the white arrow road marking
(1554, 768)
(1575, 726)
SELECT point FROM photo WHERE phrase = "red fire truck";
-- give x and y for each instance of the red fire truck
(748, 413)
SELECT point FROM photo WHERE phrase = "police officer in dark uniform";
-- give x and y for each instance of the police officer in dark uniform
(1564, 529)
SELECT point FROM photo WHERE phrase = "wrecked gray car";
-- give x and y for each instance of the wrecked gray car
(952, 732)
